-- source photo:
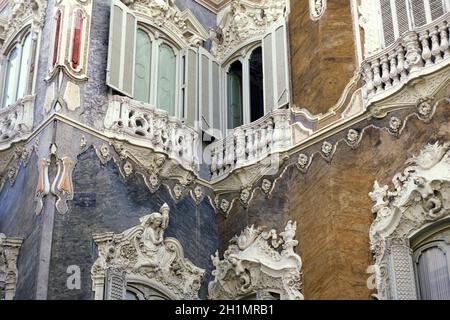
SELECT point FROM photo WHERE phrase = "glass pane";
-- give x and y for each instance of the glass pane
(256, 85)
(11, 78)
(235, 114)
(433, 272)
(166, 79)
(24, 67)
(142, 66)
(436, 8)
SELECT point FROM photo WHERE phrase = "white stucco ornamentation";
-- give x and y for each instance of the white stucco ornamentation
(421, 196)
(9, 251)
(16, 120)
(369, 20)
(143, 255)
(317, 8)
(23, 12)
(165, 14)
(242, 20)
(260, 262)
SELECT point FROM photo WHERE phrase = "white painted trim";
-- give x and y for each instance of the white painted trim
(427, 10)
(356, 32)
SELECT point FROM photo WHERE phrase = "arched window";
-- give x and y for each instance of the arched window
(432, 266)
(256, 85)
(234, 87)
(167, 79)
(142, 66)
(16, 72)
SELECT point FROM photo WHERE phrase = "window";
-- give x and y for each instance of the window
(234, 87)
(399, 16)
(16, 71)
(256, 85)
(432, 266)
(160, 56)
(245, 89)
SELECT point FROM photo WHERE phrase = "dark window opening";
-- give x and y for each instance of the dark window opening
(256, 85)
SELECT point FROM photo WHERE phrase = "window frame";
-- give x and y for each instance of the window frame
(158, 38)
(430, 237)
(242, 55)
(17, 42)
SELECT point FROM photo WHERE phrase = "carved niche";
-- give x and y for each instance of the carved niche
(143, 256)
(9, 251)
(421, 196)
(259, 262)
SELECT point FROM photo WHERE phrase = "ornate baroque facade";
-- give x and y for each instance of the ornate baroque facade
(209, 149)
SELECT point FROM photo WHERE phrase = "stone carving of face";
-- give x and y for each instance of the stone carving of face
(352, 136)
(155, 220)
(128, 169)
(224, 205)
(303, 160)
(425, 109)
(104, 151)
(177, 191)
(198, 192)
(153, 180)
(395, 124)
(266, 185)
(327, 148)
(159, 161)
(245, 195)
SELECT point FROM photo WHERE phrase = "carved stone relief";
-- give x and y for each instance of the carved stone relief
(317, 8)
(9, 252)
(260, 262)
(420, 197)
(143, 254)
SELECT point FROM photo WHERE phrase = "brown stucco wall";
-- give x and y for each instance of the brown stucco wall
(322, 55)
(332, 208)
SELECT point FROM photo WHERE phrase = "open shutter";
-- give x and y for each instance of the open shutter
(276, 68)
(115, 284)
(209, 92)
(191, 94)
(122, 35)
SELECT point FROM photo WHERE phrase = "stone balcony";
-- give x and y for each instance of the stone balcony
(251, 143)
(415, 54)
(144, 125)
(16, 121)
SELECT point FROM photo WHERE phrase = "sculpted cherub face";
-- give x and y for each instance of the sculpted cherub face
(104, 150)
(266, 185)
(155, 219)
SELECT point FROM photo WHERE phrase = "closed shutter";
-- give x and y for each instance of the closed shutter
(388, 25)
(436, 8)
(402, 16)
(122, 34)
(209, 92)
(115, 284)
(419, 15)
(276, 68)
(191, 78)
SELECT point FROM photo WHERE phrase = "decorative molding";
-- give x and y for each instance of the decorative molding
(168, 17)
(258, 262)
(129, 119)
(11, 161)
(144, 255)
(420, 197)
(317, 9)
(16, 120)
(23, 12)
(242, 20)
(9, 252)
(369, 20)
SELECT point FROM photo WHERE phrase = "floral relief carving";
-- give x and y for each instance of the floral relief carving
(143, 252)
(258, 260)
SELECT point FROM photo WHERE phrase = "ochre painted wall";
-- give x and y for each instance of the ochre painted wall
(322, 54)
(332, 208)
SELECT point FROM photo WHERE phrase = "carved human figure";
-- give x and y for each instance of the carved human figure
(327, 148)
(288, 236)
(245, 195)
(352, 136)
(303, 160)
(395, 124)
(153, 236)
(266, 186)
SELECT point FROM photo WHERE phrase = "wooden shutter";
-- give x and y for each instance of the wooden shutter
(115, 284)
(388, 24)
(276, 68)
(436, 8)
(402, 16)
(191, 93)
(419, 15)
(122, 36)
(209, 92)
